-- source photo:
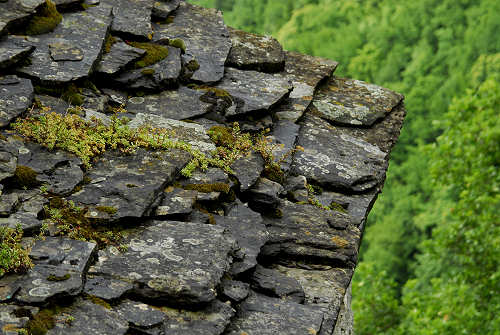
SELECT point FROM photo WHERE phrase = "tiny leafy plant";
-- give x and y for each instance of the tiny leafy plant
(13, 256)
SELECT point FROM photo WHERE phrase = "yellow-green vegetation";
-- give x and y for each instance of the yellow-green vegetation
(72, 221)
(148, 72)
(313, 190)
(53, 277)
(25, 177)
(107, 209)
(218, 92)
(110, 40)
(207, 188)
(69, 93)
(13, 256)
(46, 20)
(193, 65)
(339, 241)
(154, 53)
(177, 43)
(44, 320)
(97, 301)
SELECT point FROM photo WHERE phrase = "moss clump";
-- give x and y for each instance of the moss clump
(44, 320)
(192, 65)
(2, 137)
(107, 209)
(208, 188)
(25, 177)
(70, 93)
(154, 53)
(98, 301)
(53, 277)
(334, 206)
(13, 256)
(131, 185)
(148, 72)
(212, 92)
(339, 241)
(110, 40)
(177, 43)
(46, 20)
(221, 136)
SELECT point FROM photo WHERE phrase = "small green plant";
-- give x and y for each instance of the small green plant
(46, 20)
(13, 256)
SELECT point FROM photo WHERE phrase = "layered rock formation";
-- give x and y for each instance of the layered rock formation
(238, 252)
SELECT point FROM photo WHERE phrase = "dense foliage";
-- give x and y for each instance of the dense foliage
(432, 247)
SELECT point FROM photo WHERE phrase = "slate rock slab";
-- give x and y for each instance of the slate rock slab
(27, 212)
(264, 195)
(176, 201)
(234, 290)
(261, 315)
(139, 314)
(255, 52)
(212, 320)
(106, 288)
(284, 135)
(173, 262)
(337, 160)
(59, 268)
(254, 91)
(354, 102)
(307, 233)
(305, 72)
(275, 284)
(14, 317)
(89, 318)
(163, 8)
(12, 50)
(137, 11)
(16, 95)
(180, 104)
(247, 170)
(206, 38)
(82, 33)
(13, 12)
(8, 158)
(161, 75)
(128, 185)
(247, 228)
(120, 55)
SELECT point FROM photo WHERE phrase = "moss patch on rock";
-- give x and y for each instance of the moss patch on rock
(45, 20)
(177, 43)
(25, 177)
(208, 188)
(154, 53)
(70, 93)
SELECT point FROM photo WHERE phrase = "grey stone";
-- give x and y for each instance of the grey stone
(306, 233)
(354, 102)
(14, 12)
(161, 75)
(247, 228)
(67, 4)
(62, 50)
(176, 201)
(137, 11)
(115, 98)
(345, 322)
(140, 314)
(206, 38)
(255, 52)
(234, 290)
(8, 158)
(12, 50)
(175, 262)
(247, 170)
(212, 320)
(284, 135)
(9, 285)
(88, 318)
(8, 202)
(83, 31)
(27, 213)
(180, 104)
(14, 317)
(295, 183)
(106, 288)
(59, 268)
(120, 55)
(128, 184)
(163, 8)
(254, 91)
(264, 195)
(261, 315)
(16, 95)
(337, 160)
(275, 284)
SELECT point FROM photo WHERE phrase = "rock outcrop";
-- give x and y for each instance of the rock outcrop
(133, 243)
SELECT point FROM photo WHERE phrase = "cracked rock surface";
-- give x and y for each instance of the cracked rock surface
(267, 245)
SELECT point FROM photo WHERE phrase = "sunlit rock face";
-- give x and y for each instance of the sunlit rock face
(265, 245)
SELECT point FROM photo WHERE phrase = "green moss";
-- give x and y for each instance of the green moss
(218, 92)
(98, 301)
(207, 188)
(70, 93)
(154, 53)
(46, 20)
(221, 136)
(77, 110)
(2, 137)
(334, 206)
(148, 72)
(25, 177)
(131, 185)
(53, 277)
(13, 256)
(273, 172)
(178, 43)
(44, 320)
(107, 209)
(110, 40)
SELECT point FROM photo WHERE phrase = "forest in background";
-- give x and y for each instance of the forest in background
(431, 249)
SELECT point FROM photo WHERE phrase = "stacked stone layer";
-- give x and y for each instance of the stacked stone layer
(264, 261)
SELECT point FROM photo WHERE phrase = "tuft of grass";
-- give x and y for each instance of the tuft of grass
(13, 256)
(45, 21)
(154, 53)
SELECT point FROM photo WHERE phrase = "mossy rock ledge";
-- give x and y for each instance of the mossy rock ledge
(202, 225)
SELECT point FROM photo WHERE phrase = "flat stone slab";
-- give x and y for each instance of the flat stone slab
(305, 72)
(72, 50)
(173, 262)
(139, 314)
(284, 135)
(255, 52)
(264, 195)
(27, 211)
(126, 186)
(206, 38)
(180, 104)
(163, 8)
(254, 91)
(308, 233)
(106, 288)
(275, 284)
(14, 11)
(261, 315)
(161, 75)
(14, 317)
(8, 158)
(88, 318)
(235, 290)
(16, 95)
(248, 229)
(354, 102)
(176, 201)
(247, 170)
(59, 268)
(137, 11)
(337, 160)
(120, 55)
(12, 50)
